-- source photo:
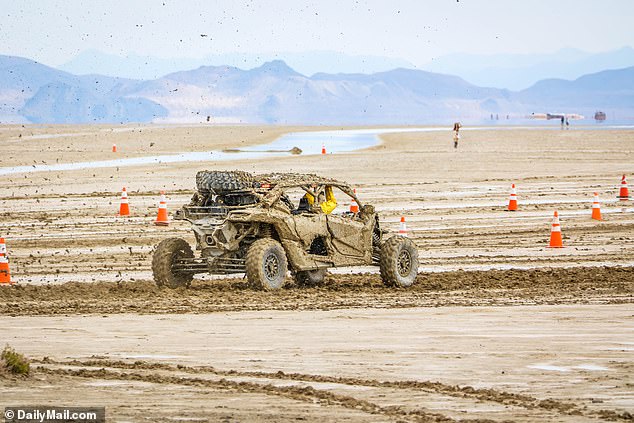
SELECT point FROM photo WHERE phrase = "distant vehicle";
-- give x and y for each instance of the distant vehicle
(558, 116)
(600, 116)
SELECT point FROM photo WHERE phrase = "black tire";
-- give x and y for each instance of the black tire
(399, 262)
(166, 253)
(222, 182)
(266, 264)
(310, 277)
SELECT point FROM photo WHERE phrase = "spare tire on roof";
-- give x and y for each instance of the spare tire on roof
(221, 182)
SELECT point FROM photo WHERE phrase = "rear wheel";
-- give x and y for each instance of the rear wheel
(399, 262)
(166, 254)
(310, 277)
(266, 264)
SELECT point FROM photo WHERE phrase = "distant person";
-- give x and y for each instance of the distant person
(562, 122)
(567, 123)
(456, 134)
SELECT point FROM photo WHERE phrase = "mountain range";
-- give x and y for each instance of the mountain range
(520, 71)
(135, 66)
(275, 93)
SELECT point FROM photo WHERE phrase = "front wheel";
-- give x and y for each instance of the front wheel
(167, 253)
(266, 264)
(399, 262)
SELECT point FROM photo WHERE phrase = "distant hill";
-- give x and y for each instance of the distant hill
(32, 92)
(610, 89)
(305, 62)
(20, 79)
(58, 102)
(520, 71)
(277, 94)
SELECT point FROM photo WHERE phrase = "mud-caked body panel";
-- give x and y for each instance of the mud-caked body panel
(345, 240)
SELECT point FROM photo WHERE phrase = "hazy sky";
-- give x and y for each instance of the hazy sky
(53, 31)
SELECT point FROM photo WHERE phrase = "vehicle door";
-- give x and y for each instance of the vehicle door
(309, 226)
(349, 235)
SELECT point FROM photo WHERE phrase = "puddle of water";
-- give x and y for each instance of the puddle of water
(106, 383)
(591, 367)
(340, 141)
(157, 356)
(47, 136)
(549, 367)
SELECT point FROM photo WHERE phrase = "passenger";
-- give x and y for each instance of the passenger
(326, 206)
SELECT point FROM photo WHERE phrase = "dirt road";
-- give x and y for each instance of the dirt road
(497, 326)
(524, 363)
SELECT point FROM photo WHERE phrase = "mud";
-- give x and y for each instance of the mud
(611, 285)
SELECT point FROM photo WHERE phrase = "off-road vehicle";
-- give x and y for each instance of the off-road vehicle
(246, 223)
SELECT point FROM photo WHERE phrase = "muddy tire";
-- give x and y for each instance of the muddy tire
(166, 253)
(222, 182)
(399, 262)
(266, 264)
(310, 277)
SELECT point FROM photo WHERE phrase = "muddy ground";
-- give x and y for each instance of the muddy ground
(498, 327)
(599, 285)
(569, 363)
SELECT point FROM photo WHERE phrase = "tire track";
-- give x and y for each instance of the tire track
(467, 392)
(299, 393)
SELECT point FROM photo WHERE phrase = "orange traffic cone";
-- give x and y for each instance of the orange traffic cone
(114, 148)
(162, 219)
(5, 275)
(512, 199)
(124, 208)
(555, 233)
(624, 193)
(354, 207)
(323, 149)
(596, 207)
(403, 228)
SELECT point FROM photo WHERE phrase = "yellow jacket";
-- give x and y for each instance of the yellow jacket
(327, 206)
